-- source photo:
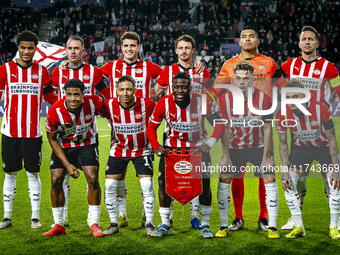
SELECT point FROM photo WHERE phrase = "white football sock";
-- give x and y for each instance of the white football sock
(67, 191)
(148, 198)
(143, 212)
(223, 200)
(165, 215)
(302, 189)
(9, 191)
(205, 213)
(272, 201)
(293, 200)
(121, 197)
(326, 188)
(94, 210)
(58, 213)
(334, 203)
(34, 191)
(172, 208)
(195, 207)
(111, 199)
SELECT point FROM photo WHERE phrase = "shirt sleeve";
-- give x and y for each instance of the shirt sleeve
(106, 70)
(159, 112)
(156, 71)
(51, 124)
(163, 79)
(3, 78)
(55, 78)
(45, 79)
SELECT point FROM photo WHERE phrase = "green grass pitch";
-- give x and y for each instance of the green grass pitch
(21, 239)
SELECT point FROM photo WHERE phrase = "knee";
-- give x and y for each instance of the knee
(92, 182)
(56, 181)
(161, 187)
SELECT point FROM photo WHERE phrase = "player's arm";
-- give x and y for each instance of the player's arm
(49, 94)
(103, 89)
(267, 140)
(283, 148)
(199, 67)
(63, 64)
(333, 150)
(279, 78)
(226, 161)
(59, 152)
(335, 84)
(156, 91)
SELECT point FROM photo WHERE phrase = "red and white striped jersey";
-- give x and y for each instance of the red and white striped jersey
(88, 74)
(142, 71)
(316, 76)
(129, 126)
(74, 130)
(165, 78)
(23, 88)
(246, 130)
(308, 130)
(185, 126)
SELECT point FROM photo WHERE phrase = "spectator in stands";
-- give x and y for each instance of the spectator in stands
(186, 24)
(201, 27)
(92, 59)
(241, 25)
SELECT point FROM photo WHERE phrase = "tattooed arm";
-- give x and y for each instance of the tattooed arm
(333, 150)
(285, 180)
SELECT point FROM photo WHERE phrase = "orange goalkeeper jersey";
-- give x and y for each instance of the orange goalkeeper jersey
(264, 68)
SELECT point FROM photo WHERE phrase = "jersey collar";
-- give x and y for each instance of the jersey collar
(186, 69)
(131, 63)
(318, 58)
(15, 60)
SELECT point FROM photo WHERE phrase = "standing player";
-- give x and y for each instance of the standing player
(180, 109)
(264, 68)
(143, 72)
(23, 83)
(314, 139)
(320, 77)
(184, 50)
(247, 143)
(92, 79)
(73, 139)
(129, 118)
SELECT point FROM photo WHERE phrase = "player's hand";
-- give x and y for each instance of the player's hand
(160, 151)
(63, 64)
(199, 67)
(204, 148)
(226, 162)
(72, 171)
(335, 179)
(267, 164)
(286, 181)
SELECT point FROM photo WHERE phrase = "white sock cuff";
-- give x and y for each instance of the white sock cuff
(223, 186)
(271, 186)
(121, 184)
(11, 177)
(110, 185)
(164, 210)
(293, 175)
(206, 209)
(31, 175)
(147, 185)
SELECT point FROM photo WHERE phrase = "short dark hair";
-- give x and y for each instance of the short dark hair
(294, 84)
(249, 28)
(244, 66)
(74, 83)
(181, 75)
(126, 78)
(130, 35)
(312, 29)
(27, 36)
(186, 38)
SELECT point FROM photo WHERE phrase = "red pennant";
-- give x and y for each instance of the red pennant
(182, 174)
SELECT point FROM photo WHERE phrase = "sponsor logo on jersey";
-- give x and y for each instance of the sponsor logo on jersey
(139, 70)
(86, 77)
(128, 129)
(15, 75)
(262, 67)
(35, 76)
(183, 167)
(314, 123)
(118, 70)
(88, 117)
(173, 115)
(317, 72)
(138, 116)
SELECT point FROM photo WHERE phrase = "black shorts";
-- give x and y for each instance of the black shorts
(240, 158)
(205, 165)
(77, 156)
(117, 165)
(301, 158)
(14, 150)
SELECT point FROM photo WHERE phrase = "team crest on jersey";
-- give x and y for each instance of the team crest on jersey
(107, 168)
(262, 67)
(314, 123)
(138, 116)
(3, 165)
(183, 167)
(317, 72)
(196, 76)
(35, 76)
(88, 117)
(139, 70)
(86, 77)
(51, 162)
(194, 115)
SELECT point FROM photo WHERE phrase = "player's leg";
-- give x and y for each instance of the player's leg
(121, 201)
(164, 229)
(67, 191)
(114, 169)
(11, 164)
(144, 170)
(194, 213)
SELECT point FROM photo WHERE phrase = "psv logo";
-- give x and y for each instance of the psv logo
(139, 71)
(86, 77)
(183, 167)
(35, 76)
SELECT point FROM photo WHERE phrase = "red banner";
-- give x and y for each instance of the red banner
(183, 182)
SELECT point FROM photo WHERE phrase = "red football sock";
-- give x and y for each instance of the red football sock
(262, 198)
(237, 188)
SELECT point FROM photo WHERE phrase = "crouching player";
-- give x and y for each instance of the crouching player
(249, 140)
(314, 140)
(72, 136)
(180, 109)
(129, 117)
